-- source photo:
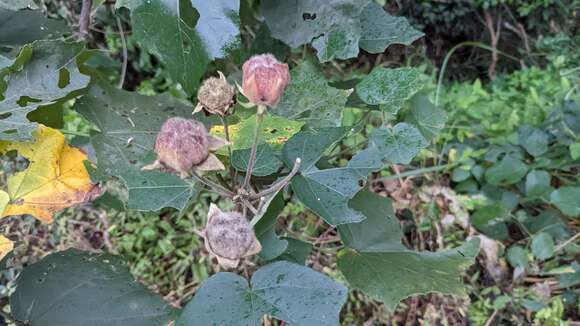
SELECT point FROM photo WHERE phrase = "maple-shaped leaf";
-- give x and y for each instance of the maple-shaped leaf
(55, 178)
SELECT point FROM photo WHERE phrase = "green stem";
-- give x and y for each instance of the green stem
(419, 171)
(213, 186)
(252, 160)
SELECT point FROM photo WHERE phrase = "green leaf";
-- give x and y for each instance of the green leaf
(283, 290)
(534, 140)
(507, 171)
(384, 269)
(398, 145)
(549, 221)
(20, 27)
(128, 124)
(572, 278)
(18, 4)
(171, 31)
(542, 246)
(574, 150)
(567, 200)
(336, 29)
(308, 98)
(490, 220)
(266, 161)
(379, 30)
(309, 145)
(326, 192)
(153, 190)
(297, 251)
(77, 288)
(380, 231)
(50, 74)
(389, 88)
(428, 118)
(538, 183)
(272, 245)
(517, 256)
(333, 27)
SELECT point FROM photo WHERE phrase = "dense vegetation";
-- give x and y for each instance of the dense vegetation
(394, 163)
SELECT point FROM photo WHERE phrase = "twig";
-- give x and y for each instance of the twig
(214, 186)
(85, 17)
(567, 242)
(280, 184)
(125, 55)
(252, 161)
(494, 35)
(491, 318)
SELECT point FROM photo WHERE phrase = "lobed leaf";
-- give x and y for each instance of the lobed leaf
(77, 288)
(283, 290)
(54, 179)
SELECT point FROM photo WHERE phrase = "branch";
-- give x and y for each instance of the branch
(213, 186)
(281, 184)
(252, 161)
(85, 17)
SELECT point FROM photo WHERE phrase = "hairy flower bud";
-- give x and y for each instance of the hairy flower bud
(184, 145)
(264, 79)
(215, 96)
(229, 237)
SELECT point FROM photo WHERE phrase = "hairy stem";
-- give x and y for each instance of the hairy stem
(125, 55)
(213, 186)
(252, 160)
(227, 134)
(280, 184)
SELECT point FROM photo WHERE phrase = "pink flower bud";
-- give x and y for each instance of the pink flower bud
(264, 79)
(184, 145)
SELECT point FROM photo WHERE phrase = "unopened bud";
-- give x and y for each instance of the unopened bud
(216, 95)
(229, 237)
(264, 79)
(184, 145)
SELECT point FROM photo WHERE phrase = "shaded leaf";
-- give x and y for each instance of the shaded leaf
(272, 245)
(266, 161)
(54, 179)
(297, 251)
(385, 270)
(379, 30)
(534, 140)
(172, 32)
(283, 290)
(490, 220)
(428, 118)
(309, 98)
(20, 27)
(398, 145)
(542, 246)
(77, 288)
(567, 200)
(517, 256)
(507, 171)
(327, 192)
(538, 183)
(389, 88)
(128, 124)
(40, 80)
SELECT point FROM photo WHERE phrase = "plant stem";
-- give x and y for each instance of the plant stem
(252, 161)
(567, 242)
(85, 17)
(280, 184)
(214, 186)
(125, 55)
(419, 171)
(227, 134)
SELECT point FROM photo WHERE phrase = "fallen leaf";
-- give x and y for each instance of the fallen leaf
(54, 179)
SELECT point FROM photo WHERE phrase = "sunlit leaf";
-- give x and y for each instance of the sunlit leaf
(6, 245)
(54, 179)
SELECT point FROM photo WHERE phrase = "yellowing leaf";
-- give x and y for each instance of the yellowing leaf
(55, 178)
(6, 246)
(274, 130)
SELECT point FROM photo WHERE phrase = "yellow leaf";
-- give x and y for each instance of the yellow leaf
(6, 246)
(54, 179)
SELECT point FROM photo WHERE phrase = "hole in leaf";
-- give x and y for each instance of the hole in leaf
(63, 78)
(10, 131)
(5, 115)
(308, 16)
